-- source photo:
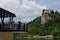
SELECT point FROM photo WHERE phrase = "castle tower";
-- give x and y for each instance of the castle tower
(45, 15)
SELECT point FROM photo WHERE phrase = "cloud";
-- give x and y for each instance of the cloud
(32, 5)
(24, 9)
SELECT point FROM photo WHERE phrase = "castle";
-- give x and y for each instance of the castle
(46, 15)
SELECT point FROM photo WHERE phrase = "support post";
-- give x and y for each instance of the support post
(11, 24)
(2, 25)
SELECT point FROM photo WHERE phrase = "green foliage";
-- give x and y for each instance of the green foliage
(51, 27)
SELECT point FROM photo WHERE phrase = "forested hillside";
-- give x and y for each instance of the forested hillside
(51, 27)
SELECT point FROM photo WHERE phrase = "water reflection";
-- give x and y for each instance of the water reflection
(56, 39)
(36, 39)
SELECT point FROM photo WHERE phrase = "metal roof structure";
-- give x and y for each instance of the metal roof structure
(11, 28)
(4, 13)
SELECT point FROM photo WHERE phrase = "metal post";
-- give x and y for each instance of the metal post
(11, 24)
(2, 25)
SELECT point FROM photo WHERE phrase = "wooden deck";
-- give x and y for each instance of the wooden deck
(8, 35)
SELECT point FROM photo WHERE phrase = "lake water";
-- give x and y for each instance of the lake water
(36, 39)
(16, 37)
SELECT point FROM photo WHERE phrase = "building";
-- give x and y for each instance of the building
(45, 15)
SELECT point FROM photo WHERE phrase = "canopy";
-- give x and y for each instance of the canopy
(4, 13)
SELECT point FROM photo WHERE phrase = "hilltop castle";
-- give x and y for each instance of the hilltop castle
(46, 15)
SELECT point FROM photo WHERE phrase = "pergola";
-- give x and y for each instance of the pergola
(6, 14)
(7, 35)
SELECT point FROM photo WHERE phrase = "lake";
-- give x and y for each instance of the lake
(25, 37)
(35, 39)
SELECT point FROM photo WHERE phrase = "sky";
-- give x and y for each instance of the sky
(28, 10)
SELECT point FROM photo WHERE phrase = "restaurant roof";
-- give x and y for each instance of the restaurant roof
(4, 13)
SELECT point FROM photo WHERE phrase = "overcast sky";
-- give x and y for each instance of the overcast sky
(27, 10)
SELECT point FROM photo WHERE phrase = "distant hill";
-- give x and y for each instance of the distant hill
(50, 27)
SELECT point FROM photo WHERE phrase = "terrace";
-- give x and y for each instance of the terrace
(6, 14)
